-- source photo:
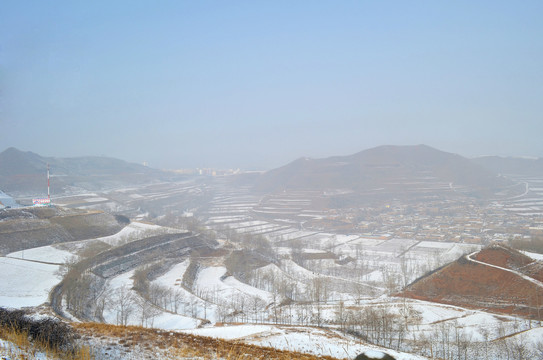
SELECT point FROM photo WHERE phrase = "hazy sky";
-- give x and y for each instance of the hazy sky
(256, 84)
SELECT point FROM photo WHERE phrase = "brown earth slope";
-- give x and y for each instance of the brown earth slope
(468, 283)
(503, 256)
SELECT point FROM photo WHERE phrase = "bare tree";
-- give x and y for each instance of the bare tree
(103, 302)
(520, 348)
(177, 299)
(296, 251)
(123, 303)
(69, 263)
(257, 306)
(390, 278)
(341, 315)
(78, 291)
(319, 294)
(147, 311)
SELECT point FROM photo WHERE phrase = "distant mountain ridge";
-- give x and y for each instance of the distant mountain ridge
(24, 172)
(393, 168)
(394, 171)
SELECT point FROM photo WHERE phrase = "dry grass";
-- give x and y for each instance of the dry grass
(176, 345)
(26, 337)
(23, 348)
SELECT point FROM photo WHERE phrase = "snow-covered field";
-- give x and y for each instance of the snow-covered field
(25, 283)
(30, 287)
(47, 254)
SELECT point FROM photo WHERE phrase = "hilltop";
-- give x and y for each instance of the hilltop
(394, 171)
(25, 173)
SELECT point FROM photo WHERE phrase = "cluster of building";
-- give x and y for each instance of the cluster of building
(440, 220)
(207, 171)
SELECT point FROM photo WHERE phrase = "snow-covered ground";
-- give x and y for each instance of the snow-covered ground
(308, 340)
(25, 283)
(162, 319)
(47, 254)
(135, 231)
(213, 282)
(174, 275)
(219, 297)
(27, 276)
(190, 303)
(534, 256)
(10, 351)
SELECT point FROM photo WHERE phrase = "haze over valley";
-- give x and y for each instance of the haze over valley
(318, 243)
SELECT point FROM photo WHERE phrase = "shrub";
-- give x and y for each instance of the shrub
(48, 332)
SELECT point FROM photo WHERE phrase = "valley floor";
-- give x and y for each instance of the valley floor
(319, 288)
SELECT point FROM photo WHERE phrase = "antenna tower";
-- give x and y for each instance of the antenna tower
(48, 182)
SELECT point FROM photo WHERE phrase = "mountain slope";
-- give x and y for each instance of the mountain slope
(25, 173)
(396, 169)
(31, 227)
